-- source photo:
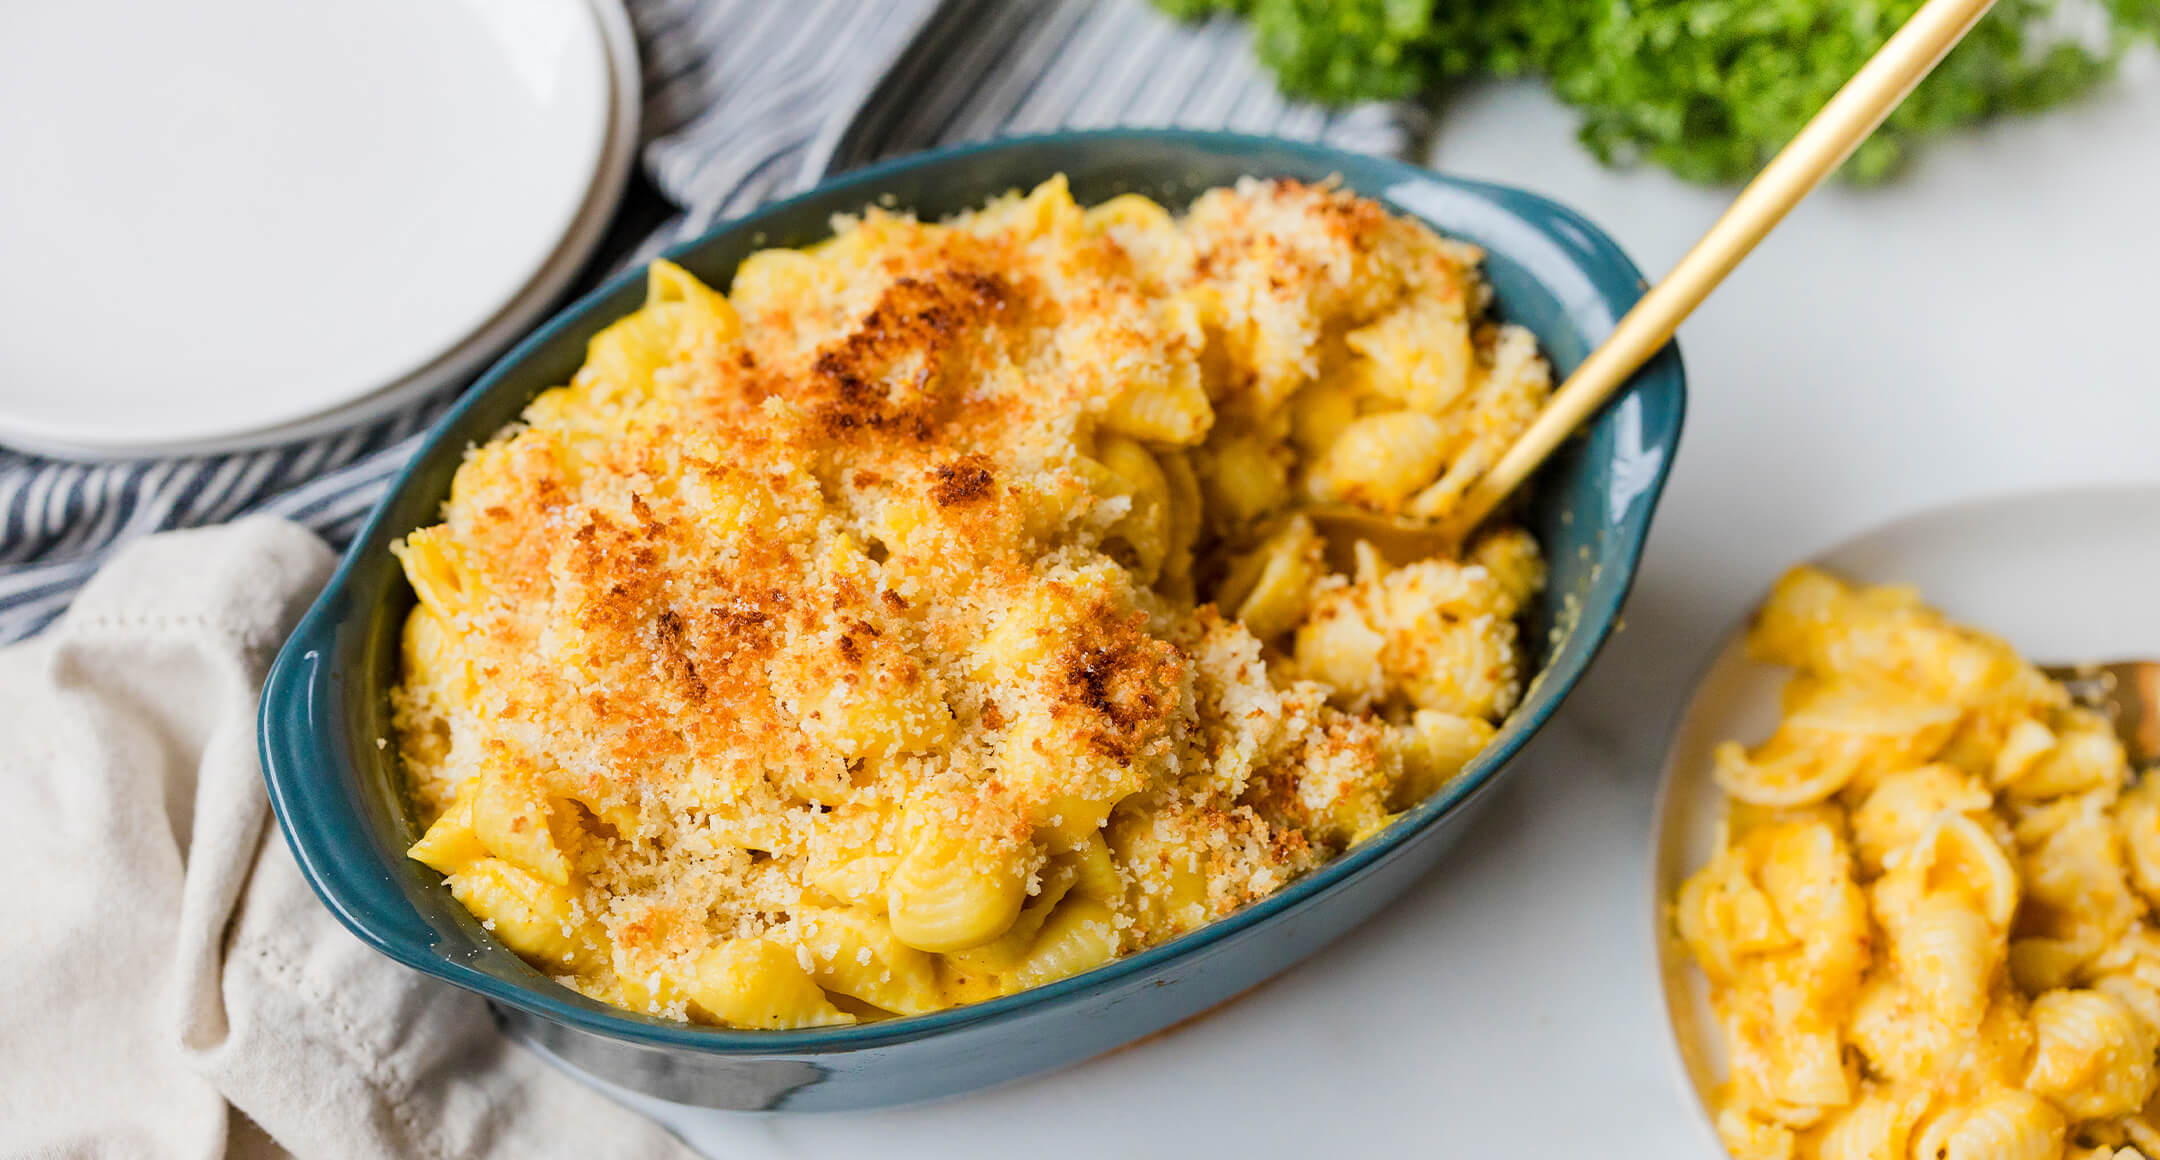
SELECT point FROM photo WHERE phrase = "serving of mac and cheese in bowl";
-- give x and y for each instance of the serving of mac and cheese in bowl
(909, 639)
(1906, 884)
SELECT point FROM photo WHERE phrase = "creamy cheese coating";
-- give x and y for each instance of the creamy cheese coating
(1928, 928)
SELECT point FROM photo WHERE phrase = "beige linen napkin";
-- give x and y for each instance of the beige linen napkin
(169, 986)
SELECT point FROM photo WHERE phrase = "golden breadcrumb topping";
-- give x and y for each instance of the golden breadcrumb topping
(938, 612)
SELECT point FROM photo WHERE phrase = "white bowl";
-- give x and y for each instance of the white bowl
(2063, 576)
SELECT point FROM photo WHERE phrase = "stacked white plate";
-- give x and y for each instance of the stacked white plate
(230, 223)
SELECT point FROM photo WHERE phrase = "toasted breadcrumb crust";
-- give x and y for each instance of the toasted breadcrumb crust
(913, 543)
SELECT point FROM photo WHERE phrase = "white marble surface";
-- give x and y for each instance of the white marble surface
(1986, 325)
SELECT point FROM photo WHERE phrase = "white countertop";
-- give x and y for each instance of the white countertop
(1987, 324)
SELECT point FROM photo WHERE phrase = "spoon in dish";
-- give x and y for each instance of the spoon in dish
(1812, 155)
(2127, 693)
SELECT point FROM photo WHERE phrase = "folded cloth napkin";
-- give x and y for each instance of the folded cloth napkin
(173, 986)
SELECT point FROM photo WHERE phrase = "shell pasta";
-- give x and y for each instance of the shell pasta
(1927, 928)
(931, 616)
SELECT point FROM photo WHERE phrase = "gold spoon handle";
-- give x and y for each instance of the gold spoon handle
(1821, 145)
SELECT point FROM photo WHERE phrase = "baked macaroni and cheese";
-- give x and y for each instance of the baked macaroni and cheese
(1929, 930)
(935, 614)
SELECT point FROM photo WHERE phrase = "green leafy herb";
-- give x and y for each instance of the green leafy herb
(1709, 89)
(1342, 50)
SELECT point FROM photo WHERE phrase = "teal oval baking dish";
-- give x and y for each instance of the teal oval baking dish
(325, 704)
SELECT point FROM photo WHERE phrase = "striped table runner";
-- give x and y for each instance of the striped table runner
(745, 101)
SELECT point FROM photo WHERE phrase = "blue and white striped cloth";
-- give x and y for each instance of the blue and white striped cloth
(745, 101)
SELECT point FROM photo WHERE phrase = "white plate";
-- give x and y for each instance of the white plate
(538, 299)
(2063, 576)
(233, 215)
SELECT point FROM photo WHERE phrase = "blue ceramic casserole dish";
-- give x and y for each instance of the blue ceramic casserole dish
(338, 793)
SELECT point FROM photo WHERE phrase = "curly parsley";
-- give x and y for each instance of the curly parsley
(1709, 89)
